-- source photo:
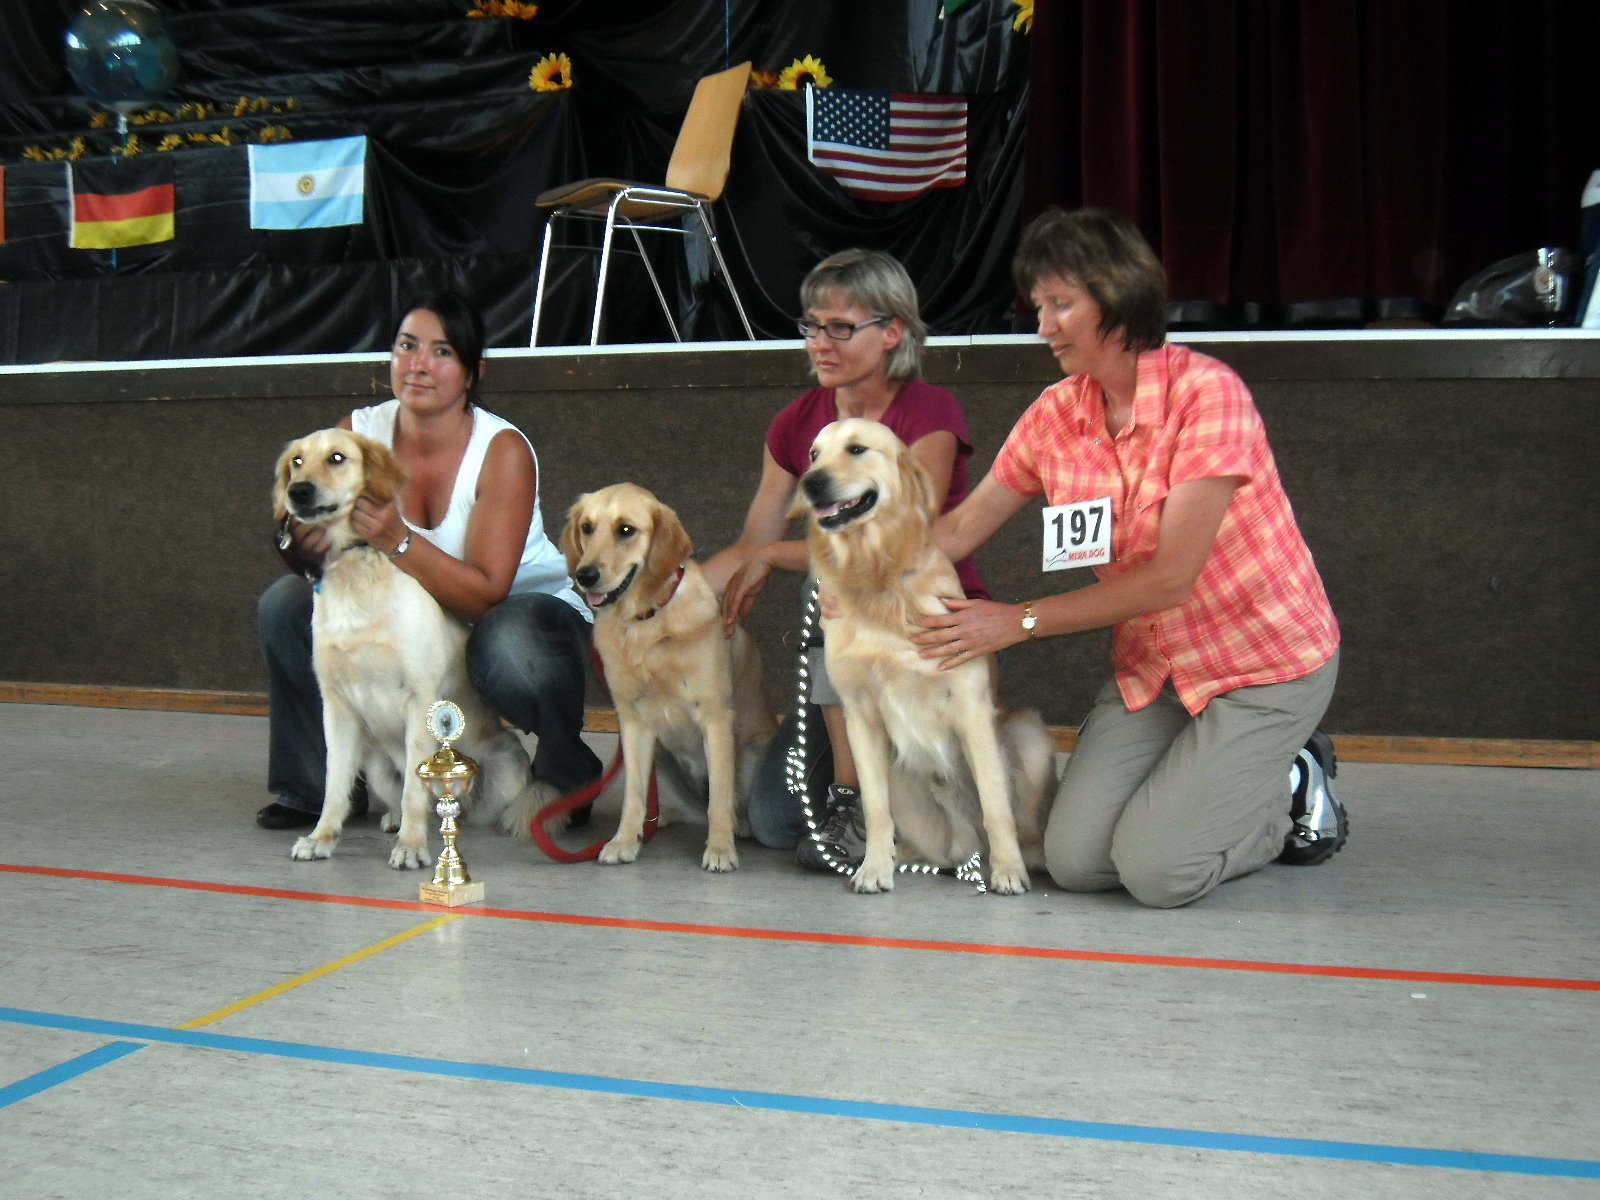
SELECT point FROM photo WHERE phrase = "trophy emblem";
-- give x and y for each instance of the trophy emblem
(447, 775)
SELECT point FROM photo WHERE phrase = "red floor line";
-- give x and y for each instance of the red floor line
(842, 939)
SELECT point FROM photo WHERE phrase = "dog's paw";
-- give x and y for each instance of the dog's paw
(1007, 881)
(308, 848)
(619, 850)
(389, 821)
(406, 858)
(873, 877)
(720, 858)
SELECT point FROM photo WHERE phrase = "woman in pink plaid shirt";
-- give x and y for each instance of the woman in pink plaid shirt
(1200, 759)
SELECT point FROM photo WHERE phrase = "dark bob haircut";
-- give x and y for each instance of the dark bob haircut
(463, 329)
(1105, 254)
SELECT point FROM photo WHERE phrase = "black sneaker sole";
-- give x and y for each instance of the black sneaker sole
(1322, 850)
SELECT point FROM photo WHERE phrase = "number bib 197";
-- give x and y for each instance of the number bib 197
(1077, 535)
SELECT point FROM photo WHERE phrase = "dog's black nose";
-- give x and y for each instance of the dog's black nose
(816, 485)
(587, 577)
(302, 491)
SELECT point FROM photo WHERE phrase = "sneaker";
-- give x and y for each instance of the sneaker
(1320, 822)
(839, 841)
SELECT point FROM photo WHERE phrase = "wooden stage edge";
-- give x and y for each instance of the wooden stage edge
(1471, 752)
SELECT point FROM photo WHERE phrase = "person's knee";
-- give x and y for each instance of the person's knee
(1159, 881)
(526, 646)
(1075, 851)
(527, 660)
(1077, 872)
(769, 827)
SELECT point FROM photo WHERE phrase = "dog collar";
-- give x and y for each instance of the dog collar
(676, 581)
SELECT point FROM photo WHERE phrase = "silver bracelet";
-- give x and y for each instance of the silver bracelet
(405, 544)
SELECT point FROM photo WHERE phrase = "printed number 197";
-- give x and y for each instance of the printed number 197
(1083, 524)
(1077, 535)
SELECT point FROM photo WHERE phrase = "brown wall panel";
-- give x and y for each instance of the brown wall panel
(1443, 485)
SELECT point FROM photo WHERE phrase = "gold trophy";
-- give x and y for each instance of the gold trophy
(448, 775)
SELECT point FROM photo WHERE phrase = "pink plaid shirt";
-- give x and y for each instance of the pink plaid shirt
(1258, 613)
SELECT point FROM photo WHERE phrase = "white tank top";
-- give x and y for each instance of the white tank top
(543, 567)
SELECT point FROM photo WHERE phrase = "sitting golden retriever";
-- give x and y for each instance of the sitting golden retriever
(384, 650)
(937, 762)
(675, 679)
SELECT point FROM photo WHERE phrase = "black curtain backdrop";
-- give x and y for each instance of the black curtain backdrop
(1322, 162)
(1296, 162)
(459, 146)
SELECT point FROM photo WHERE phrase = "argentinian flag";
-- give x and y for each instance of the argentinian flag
(308, 185)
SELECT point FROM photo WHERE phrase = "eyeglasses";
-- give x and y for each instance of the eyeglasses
(839, 331)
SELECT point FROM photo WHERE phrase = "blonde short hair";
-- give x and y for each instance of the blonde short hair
(876, 281)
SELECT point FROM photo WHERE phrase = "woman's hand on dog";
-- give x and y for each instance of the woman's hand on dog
(743, 588)
(378, 523)
(969, 629)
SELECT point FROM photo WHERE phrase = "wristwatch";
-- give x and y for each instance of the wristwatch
(405, 544)
(1029, 621)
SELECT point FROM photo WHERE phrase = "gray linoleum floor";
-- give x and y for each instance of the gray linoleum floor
(186, 1012)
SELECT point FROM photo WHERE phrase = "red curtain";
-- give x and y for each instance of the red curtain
(1318, 162)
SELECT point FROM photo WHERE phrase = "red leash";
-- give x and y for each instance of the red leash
(584, 795)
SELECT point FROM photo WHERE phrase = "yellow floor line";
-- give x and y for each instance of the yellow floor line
(319, 972)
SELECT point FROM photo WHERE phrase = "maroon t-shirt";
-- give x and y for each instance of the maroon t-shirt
(918, 410)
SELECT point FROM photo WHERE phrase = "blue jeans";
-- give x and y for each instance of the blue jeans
(526, 657)
(777, 815)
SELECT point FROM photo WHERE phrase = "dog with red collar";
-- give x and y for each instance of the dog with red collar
(677, 681)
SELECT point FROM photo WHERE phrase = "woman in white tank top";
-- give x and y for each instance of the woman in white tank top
(469, 529)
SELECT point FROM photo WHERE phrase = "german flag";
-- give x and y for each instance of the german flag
(122, 202)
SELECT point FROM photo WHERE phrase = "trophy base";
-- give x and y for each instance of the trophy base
(450, 897)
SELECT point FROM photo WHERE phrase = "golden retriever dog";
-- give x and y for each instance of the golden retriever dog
(384, 650)
(938, 763)
(676, 680)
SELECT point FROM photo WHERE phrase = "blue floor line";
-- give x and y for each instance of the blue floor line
(71, 1069)
(1153, 1135)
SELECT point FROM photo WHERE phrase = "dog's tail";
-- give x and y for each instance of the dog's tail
(516, 818)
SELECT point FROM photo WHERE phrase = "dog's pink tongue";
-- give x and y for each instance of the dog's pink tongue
(595, 599)
(828, 510)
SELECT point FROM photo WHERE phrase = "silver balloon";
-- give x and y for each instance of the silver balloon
(120, 52)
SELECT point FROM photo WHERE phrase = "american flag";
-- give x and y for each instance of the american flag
(887, 146)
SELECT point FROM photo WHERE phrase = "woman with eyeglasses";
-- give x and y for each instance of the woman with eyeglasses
(864, 337)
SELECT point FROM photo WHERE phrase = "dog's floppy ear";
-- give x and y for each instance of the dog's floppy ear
(385, 475)
(669, 543)
(571, 544)
(280, 483)
(918, 484)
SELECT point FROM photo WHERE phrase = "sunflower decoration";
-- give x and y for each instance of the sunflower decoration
(803, 72)
(763, 79)
(503, 8)
(1024, 20)
(552, 73)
